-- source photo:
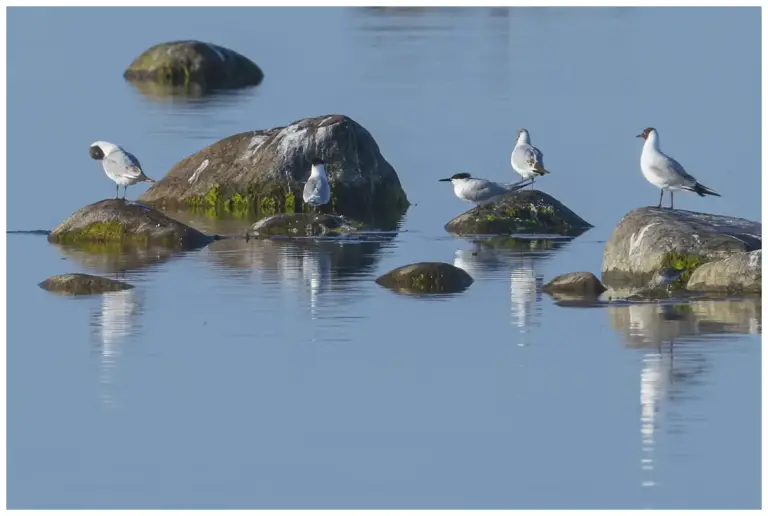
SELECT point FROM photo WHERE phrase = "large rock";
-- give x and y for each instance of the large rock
(301, 225)
(426, 277)
(524, 211)
(126, 224)
(82, 284)
(195, 65)
(740, 273)
(264, 172)
(649, 239)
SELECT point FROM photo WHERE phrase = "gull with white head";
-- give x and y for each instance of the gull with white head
(527, 160)
(481, 191)
(666, 173)
(121, 166)
(317, 191)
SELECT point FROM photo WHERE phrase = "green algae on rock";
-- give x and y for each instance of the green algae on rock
(122, 223)
(194, 65)
(263, 173)
(426, 278)
(82, 284)
(524, 211)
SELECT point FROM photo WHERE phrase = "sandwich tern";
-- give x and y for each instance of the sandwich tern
(481, 191)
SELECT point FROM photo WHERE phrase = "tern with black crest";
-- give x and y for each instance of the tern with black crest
(481, 191)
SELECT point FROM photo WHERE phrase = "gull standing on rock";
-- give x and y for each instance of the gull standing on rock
(666, 173)
(317, 191)
(121, 166)
(527, 160)
(481, 191)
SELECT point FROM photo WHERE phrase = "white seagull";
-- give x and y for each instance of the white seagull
(527, 160)
(121, 166)
(317, 191)
(666, 173)
(481, 191)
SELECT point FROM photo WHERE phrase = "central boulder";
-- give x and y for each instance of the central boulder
(524, 211)
(264, 172)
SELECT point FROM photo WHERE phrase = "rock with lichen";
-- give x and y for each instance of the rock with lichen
(426, 278)
(301, 225)
(119, 223)
(649, 239)
(263, 172)
(194, 65)
(520, 212)
(82, 284)
(741, 273)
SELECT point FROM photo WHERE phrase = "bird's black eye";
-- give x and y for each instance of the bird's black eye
(96, 152)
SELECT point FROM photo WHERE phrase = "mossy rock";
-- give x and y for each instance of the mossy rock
(262, 173)
(521, 212)
(426, 278)
(120, 223)
(186, 63)
(302, 225)
(651, 239)
(82, 284)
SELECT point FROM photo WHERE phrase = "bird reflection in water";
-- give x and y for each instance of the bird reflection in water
(112, 324)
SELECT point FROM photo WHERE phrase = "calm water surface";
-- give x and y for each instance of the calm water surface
(279, 375)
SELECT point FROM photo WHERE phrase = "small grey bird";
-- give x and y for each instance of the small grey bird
(481, 191)
(666, 173)
(527, 160)
(121, 166)
(317, 191)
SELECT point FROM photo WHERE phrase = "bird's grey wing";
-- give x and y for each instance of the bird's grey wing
(483, 190)
(513, 187)
(526, 156)
(123, 164)
(678, 168)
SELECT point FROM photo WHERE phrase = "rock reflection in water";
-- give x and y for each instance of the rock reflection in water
(111, 259)
(115, 320)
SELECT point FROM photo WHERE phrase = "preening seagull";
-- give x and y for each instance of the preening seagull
(481, 191)
(666, 173)
(121, 166)
(527, 160)
(317, 191)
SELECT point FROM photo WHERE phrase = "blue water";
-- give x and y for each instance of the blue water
(279, 375)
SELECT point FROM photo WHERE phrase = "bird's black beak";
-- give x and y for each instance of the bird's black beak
(446, 179)
(641, 135)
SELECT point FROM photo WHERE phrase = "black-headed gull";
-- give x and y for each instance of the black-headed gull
(481, 191)
(121, 166)
(666, 173)
(527, 160)
(317, 191)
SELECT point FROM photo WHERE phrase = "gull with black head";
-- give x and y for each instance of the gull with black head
(664, 172)
(121, 166)
(481, 191)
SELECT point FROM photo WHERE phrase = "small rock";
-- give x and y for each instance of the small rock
(426, 277)
(575, 283)
(264, 172)
(649, 239)
(129, 224)
(740, 273)
(82, 284)
(301, 225)
(524, 211)
(194, 64)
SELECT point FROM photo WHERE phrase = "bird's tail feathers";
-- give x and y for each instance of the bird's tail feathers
(702, 190)
(149, 180)
(540, 170)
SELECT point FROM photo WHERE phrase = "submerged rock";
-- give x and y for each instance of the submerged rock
(649, 239)
(187, 63)
(302, 225)
(264, 172)
(740, 273)
(583, 284)
(524, 211)
(426, 277)
(124, 223)
(82, 284)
